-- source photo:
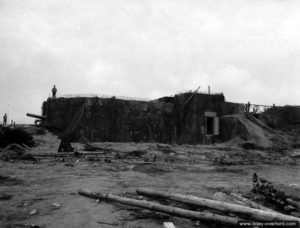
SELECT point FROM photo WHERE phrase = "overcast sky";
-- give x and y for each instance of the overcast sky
(249, 50)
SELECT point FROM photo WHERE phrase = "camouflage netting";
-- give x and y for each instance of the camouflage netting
(286, 118)
(163, 120)
(97, 119)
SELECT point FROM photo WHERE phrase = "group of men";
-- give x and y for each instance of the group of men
(4, 123)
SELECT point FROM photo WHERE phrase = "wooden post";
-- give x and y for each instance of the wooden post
(274, 121)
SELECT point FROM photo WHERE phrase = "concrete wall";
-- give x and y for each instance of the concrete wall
(98, 119)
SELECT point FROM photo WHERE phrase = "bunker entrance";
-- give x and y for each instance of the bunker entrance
(209, 125)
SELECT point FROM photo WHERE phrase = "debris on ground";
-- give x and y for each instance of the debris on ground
(9, 181)
(16, 152)
(219, 172)
(274, 196)
(18, 225)
(222, 213)
(69, 164)
(5, 196)
(15, 136)
(249, 202)
(164, 148)
(221, 196)
(162, 208)
(33, 212)
(56, 206)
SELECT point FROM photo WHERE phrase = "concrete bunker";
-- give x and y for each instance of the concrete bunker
(186, 118)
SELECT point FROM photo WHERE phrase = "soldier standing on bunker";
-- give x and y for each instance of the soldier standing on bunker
(54, 90)
(4, 119)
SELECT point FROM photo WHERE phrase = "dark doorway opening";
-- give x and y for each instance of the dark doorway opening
(209, 125)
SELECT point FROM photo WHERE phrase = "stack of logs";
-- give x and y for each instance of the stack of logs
(223, 213)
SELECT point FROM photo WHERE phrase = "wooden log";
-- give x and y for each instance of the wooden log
(221, 196)
(250, 203)
(234, 198)
(169, 225)
(220, 219)
(250, 213)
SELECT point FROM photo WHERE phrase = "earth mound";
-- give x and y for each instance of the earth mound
(251, 132)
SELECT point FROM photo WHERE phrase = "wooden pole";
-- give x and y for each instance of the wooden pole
(250, 203)
(162, 208)
(250, 213)
(188, 100)
(223, 197)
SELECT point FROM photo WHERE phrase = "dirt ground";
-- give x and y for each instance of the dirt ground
(121, 169)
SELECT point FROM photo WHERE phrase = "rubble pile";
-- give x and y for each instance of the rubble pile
(14, 144)
(273, 196)
(15, 135)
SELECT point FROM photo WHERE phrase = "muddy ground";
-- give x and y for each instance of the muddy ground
(120, 168)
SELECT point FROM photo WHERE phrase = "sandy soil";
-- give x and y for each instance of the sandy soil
(198, 170)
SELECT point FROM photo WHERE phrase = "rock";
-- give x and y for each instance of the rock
(56, 206)
(33, 212)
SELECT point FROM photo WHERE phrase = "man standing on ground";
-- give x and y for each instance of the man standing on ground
(54, 90)
(4, 119)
